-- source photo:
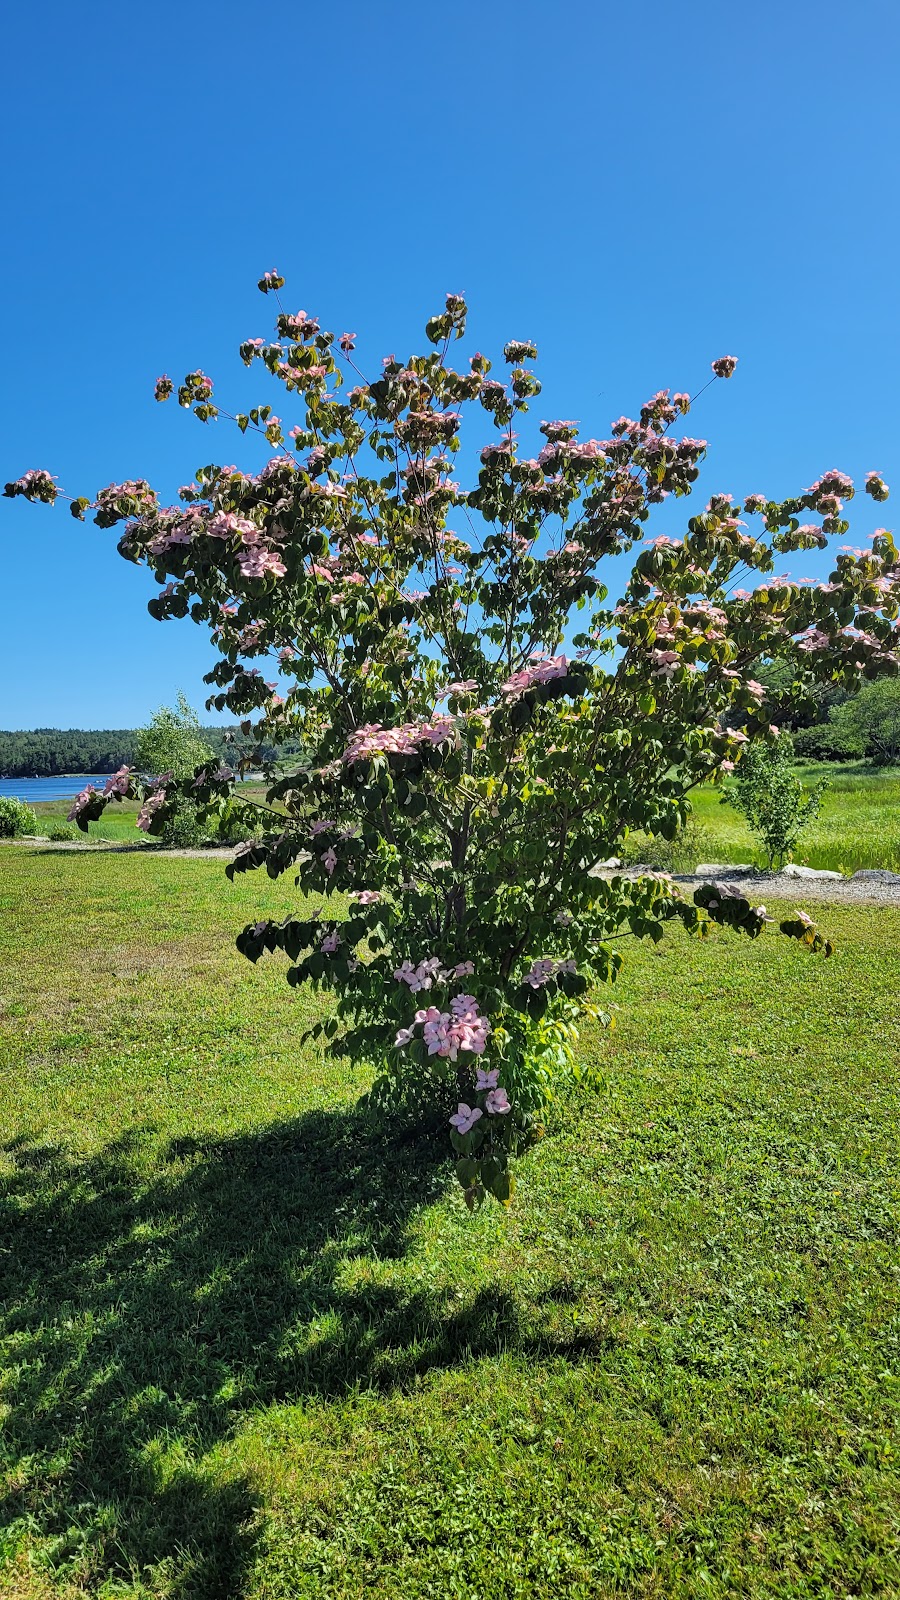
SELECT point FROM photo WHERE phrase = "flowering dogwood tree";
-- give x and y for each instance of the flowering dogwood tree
(484, 726)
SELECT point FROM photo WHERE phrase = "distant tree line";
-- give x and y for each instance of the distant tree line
(48, 752)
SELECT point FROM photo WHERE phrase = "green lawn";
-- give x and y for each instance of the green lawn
(255, 1348)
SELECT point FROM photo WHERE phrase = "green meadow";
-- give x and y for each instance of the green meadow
(254, 1347)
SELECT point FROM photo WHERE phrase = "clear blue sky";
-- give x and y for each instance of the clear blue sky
(637, 189)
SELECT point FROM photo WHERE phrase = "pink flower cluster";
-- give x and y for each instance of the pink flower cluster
(430, 971)
(561, 452)
(496, 1103)
(447, 1032)
(135, 490)
(498, 454)
(724, 366)
(119, 784)
(148, 810)
(35, 484)
(258, 560)
(827, 496)
(519, 350)
(464, 686)
(300, 325)
(225, 524)
(876, 486)
(660, 409)
(545, 969)
(373, 739)
(665, 663)
(465, 1118)
(543, 670)
(81, 800)
(197, 386)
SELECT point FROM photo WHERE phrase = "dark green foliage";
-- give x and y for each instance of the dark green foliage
(871, 720)
(185, 829)
(831, 724)
(827, 741)
(795, 706)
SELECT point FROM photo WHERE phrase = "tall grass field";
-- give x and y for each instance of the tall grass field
(253, 1346)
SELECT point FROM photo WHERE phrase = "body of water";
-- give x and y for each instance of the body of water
(62, 788)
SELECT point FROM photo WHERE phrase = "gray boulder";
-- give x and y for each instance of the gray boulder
(719, 869)
(793, 871)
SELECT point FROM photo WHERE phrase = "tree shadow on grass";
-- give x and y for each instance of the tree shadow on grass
(151, 1299)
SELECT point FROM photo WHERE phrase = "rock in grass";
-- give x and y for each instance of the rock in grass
(794, 871)
(720, 869)
(875, 875)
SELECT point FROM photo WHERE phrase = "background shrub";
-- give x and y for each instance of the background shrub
(236, 823)
(16, 818)
(870, 721)
(771, 798)
(185, 829)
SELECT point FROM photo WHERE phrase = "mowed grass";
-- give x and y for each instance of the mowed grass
(255, 1348)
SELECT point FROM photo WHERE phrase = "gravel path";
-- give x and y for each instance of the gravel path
(43, 846)
(864, 888)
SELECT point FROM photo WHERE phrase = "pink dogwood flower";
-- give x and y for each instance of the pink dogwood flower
(465, 1117)
(321, 826)
(496, 1103)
